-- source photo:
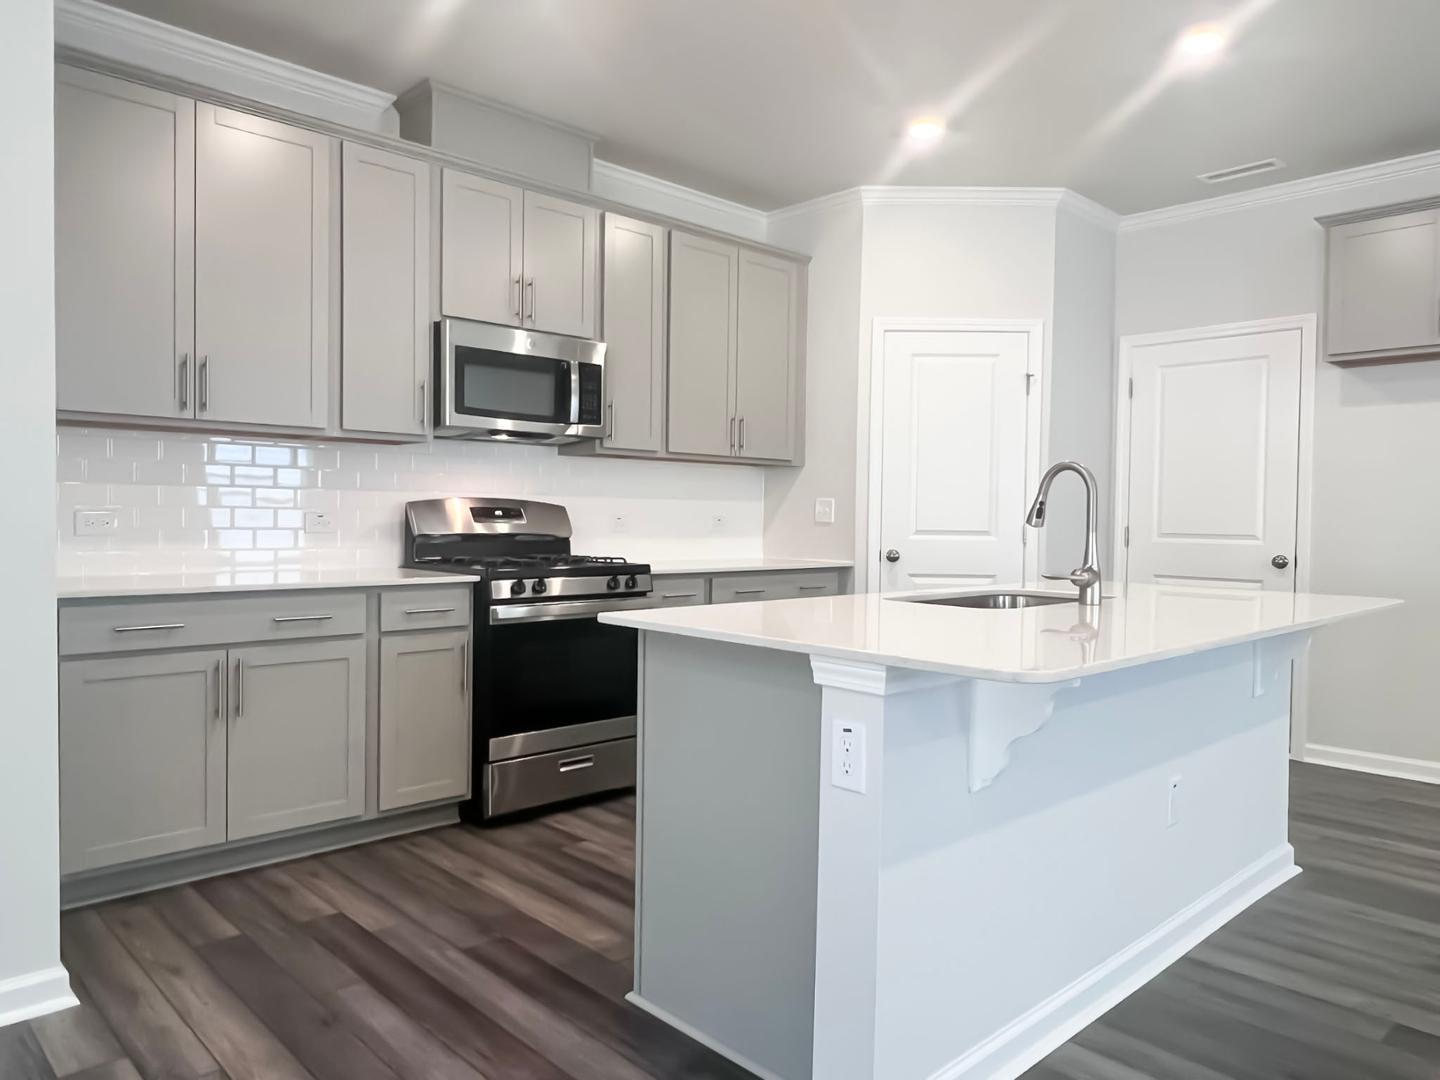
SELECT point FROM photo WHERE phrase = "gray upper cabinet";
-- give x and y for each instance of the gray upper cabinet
(766, 361)
(562, 242)
(704, 302)
(481, 256)
(1384, 285)
(262, 269)
(124, 247)
(142, 745)
(297, 735)
(634, 331)
(424, 717)
(385, 299)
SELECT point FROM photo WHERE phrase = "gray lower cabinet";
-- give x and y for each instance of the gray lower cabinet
(297, 736)
(142, 751)
(424, 717)
(675, 590)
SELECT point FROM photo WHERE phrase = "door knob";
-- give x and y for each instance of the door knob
(1280, 562)
(892, 555)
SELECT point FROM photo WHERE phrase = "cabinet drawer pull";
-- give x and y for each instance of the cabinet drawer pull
(813, 588)
(574, 763)
(428, 610)
(679, 596)
(300, 618)
(151, 626)
(748, 592)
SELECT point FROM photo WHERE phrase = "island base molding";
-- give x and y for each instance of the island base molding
(1021, 856)
(37, 993)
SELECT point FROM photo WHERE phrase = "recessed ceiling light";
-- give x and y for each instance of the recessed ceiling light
(927, 129)
(1205, 40)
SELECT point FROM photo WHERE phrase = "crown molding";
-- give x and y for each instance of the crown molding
(1090, 210)
(888, 195)
(819, 204)
(664, 196)
(97, 29)
(1288, 191)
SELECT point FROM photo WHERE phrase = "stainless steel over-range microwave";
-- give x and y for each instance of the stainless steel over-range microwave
(501, 382)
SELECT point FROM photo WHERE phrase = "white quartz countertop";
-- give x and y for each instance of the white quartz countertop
(1032, 645)
(756, 565)
(228, 581)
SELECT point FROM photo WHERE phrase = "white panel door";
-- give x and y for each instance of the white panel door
(562, 258)
(262, 269)
(1214, 437)
(481, 229)
(953, 449)
(124, 247)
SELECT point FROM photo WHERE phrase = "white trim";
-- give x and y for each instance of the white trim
(700, 1037)
(675, 200)
(879, 680)
(1340, 180)
(893, 195)
(1090, 210)
(1306, 325)
(36, 993)
(870, 421)
(1019, 1045)
(91, 27)
(1365, 761)
(810, 206)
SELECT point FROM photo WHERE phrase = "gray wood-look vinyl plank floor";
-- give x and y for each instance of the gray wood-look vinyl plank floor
(463, 954)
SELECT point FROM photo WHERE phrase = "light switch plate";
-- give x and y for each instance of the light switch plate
(824, 511)
(319, 521)
(97, 522)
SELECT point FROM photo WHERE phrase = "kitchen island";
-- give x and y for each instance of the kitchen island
(885, 839)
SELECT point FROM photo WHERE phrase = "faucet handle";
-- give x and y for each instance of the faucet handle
(1083, 576)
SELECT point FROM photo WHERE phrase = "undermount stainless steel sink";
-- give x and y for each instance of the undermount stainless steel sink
(996, 601)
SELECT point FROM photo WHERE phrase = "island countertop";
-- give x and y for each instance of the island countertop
(1031, 645)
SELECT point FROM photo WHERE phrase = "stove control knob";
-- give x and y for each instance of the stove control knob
(630, 582)
(539, 586)
(613, 584)
(517, 588)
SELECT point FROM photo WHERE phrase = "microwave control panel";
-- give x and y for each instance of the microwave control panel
(591, 383)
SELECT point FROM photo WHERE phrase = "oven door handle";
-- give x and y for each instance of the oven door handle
(565, 609)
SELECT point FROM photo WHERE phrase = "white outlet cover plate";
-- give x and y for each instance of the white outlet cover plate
(97, 522)
(847, 755)
(319, 521)
(824, 511)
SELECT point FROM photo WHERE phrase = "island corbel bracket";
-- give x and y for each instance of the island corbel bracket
(999, 714)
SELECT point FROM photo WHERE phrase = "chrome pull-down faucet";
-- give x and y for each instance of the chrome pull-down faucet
(1087, 577)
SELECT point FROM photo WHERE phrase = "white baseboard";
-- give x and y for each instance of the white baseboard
(25, 997)
(1022, 1043)
(700, 1037)
(1382, 764)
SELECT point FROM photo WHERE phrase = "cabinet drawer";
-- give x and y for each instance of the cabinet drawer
(739, 588)
(565, 774)
(213, 620)
(421, 607)
(681, 591)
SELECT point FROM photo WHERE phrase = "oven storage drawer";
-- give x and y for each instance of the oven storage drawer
(214, 620)
(425, 607)
(565, 774)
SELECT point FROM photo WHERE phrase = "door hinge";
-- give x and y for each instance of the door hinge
(1132, 389)
(1127, 536)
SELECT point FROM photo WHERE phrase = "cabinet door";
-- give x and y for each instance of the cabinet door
(481, 228)
(634, 331)
(767, 355)
(124, 247)
(1385, 284)
(142, 757)
(424, 717)
(704, 282)
(297, 735)
(562, 243)
(262, 269)
(385, 291)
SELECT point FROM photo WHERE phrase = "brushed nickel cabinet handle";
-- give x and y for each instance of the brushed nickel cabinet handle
(732, 434)
(609, 420)
(184, 382)
(813, 588)
(464, 668)
(151, 626)
(219, 678)
(742, 433)
(239, 688)
(748, 592)
(575, 763)
(428, 610)
(420, 402)
(204, 383)
(678, 596)
(530, 284)
(301, 618)
(519, 302)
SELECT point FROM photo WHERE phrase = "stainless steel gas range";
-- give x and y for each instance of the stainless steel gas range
(553, 688)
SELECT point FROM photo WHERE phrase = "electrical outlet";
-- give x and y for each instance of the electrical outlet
(618, 523)
(97, 522)
(319, 521)
(824, 511)
(847, 756)
(717, 523)
(1172, 813)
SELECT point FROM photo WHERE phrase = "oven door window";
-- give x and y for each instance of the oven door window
(545, 675)
(510, 387)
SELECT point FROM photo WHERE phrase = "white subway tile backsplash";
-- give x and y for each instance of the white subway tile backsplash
(192, 501)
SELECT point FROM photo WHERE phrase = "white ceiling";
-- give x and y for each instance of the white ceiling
(771, 102)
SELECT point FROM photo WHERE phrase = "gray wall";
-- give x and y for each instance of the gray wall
(1377, 430)
(29, 788)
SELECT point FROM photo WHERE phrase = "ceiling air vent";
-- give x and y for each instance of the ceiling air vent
(1239, 172)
